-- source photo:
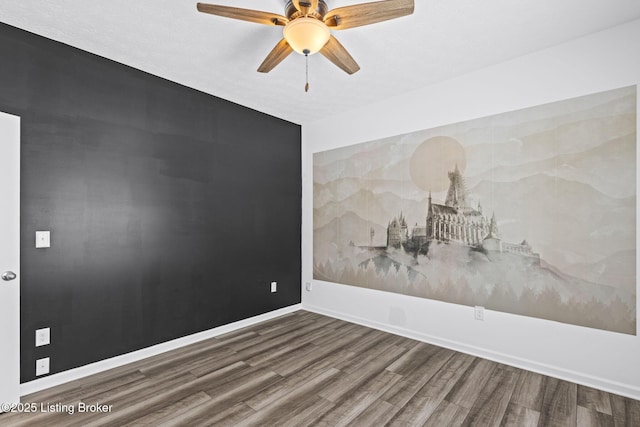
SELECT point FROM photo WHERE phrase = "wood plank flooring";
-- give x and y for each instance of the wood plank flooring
(307, 369)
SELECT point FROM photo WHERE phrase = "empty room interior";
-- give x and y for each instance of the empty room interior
(319, 212)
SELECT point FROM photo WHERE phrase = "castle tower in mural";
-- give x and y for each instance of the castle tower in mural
(397, 232)
(454, 222)
(457, 193)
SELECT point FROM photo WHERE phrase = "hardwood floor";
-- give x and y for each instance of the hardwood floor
(307, 369)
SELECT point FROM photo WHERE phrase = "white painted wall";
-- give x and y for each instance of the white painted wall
(599, 62)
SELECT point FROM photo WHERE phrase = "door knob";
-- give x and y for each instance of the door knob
(8, 276)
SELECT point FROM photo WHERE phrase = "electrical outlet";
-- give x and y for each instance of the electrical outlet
(43, 239)
(274, 286)
(43, 337)
(42, 366)
(479, 312)
(309, 286)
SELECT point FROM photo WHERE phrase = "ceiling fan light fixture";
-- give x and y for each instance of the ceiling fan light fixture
(306, 35)
(307, 24)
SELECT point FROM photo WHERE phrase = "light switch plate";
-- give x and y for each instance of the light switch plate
(43, 239)
(43, 337)
(274, 286)
(42, 366)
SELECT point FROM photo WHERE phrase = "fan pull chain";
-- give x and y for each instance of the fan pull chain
(306, 58)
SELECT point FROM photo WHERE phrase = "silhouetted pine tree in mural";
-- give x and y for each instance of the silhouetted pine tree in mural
(545, 304)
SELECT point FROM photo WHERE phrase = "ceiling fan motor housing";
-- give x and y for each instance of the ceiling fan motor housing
(291, 12)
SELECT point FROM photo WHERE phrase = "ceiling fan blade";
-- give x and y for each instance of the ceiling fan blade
(337, 54)
(266, 18)
(367, 13)
(281, 51)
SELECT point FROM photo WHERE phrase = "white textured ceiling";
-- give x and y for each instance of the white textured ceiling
(441, 40)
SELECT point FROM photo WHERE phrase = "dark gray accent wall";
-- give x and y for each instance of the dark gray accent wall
(170, 210)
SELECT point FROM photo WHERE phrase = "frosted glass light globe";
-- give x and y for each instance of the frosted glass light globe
(306, 34)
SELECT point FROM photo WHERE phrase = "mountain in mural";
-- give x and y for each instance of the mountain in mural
(352, 163)
(375, 207)
(585, 166)
(339, 233)
(601, 231)
(587, 225)
(618, 270)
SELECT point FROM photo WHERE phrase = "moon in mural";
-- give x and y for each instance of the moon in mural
(433, 159)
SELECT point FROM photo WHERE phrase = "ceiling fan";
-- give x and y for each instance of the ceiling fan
(307, 25)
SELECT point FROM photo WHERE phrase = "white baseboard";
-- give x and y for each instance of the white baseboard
(114, 362)
(614, 387)
(530, 365)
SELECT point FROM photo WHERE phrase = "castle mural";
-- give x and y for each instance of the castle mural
(531, 212)
(454, 222)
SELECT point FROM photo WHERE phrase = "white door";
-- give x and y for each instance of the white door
(9, 259)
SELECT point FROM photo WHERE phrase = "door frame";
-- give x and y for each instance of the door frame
(10, 261)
